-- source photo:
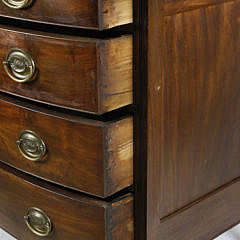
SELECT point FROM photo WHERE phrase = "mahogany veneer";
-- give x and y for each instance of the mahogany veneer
(186, 97)
(83, 74)
(188, 154)
(92, 14)
(83, 154)
(84, 178)
(73, 216)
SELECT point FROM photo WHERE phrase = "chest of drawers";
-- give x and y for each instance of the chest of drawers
(119, 119)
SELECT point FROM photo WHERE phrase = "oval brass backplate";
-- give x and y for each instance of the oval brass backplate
(19, 66)
(31, 146)
(16, 4)
(38, 222)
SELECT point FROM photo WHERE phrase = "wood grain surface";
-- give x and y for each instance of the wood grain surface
(73, 216)
(83, 74)
(87, 155)
(193, 120)
(206, 219)
(198, 117)
(91, 14)
(171, 7)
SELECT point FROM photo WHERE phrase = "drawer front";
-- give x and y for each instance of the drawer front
(84, 74)
(92, 14)
(87, 155)
(72, 216)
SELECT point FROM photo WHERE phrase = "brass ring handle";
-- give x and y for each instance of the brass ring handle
(19, 66)
(31, 146)
(16, 4)
(38, 222)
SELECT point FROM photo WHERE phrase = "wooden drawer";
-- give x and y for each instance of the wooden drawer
(72, 216)
(90, 75)
(88, 155)
(92, 14)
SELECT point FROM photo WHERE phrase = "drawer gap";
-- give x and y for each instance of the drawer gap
(106, 117)
(66, 30)
(62, 189)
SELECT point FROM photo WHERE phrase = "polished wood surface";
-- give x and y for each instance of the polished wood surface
(170, 7)
(186, 122)
(198, 119)
(206, 219)
(92, 14)
(192, 107)
(73, 216)
(88, 155)
(83, 74)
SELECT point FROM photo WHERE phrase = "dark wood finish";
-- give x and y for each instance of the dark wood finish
(206, 219)
(87, 155)
(140, 123)
(186, 122)
(92, 14)
(197, 119)
(193, 120)
(91, 75)
(170, 7)
(73, 216)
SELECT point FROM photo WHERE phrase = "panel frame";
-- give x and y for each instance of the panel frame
(148, 18)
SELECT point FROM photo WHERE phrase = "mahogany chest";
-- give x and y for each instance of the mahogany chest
(119, 119)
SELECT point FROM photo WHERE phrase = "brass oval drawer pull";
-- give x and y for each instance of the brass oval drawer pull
(31, 146)
(16, 4)
(19, 66)
(38, 222)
